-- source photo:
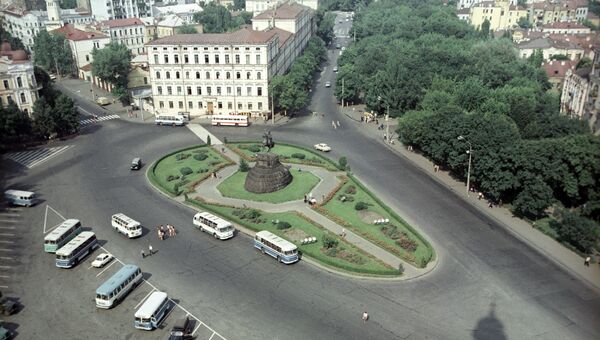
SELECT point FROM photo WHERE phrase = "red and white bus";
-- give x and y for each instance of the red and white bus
(230, 120)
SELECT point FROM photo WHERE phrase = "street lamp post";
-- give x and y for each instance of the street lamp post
(470, 152)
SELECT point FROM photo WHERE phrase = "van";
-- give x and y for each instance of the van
(136, 163)
(181, 329)
(170, 120)
(19, 197)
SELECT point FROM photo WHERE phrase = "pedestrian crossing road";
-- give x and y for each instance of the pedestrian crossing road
(100, 118)
(31, 158)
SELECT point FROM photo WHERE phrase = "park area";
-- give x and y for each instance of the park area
(287, 154)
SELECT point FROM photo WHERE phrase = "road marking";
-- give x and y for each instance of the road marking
(11, 214)
(7, 242)
(9, 221)
(99, 119)
(211, 336)
(4, 276)
(4, 234)
(144, 299)
(84, 110)
(7, 228)
(46, 218)
(31, 158)
(6, 267)
(5, 258)
(4, 249)
(113, 262)
(4, 287)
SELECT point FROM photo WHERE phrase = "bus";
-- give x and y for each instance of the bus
(269, 243)
(126, 225)
(114, 289)
(153, 311)
(216, 226)
(20, 197)
(78, 248)
(62, 234)
(170, 120)
(230, 120)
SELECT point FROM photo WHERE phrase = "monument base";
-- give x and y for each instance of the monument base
(268, 175)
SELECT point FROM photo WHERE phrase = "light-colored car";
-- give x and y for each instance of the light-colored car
(327, 84)
(102, 101)
(101, 260)
(335, 69)
(323, 147)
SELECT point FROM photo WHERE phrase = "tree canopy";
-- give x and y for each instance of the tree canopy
(217, 19)
(112, 64)
(53, 53)
(187, 29)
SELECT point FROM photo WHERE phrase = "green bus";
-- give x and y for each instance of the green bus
(61, 235)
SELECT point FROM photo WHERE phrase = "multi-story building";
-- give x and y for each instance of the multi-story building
(120, 9)
(461, 4)
(542, 13)
(580, 97)
(171, 23)
(550, 47)
(566, 27)
(259, 6)
(556, 71)
(500, 14)
(17, 79)
(129, 32)
(184, 11)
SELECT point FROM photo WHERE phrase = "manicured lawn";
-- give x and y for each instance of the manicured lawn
(345, 213)
(172, 166)
(285, 152)
(354, 259)
(303, 182)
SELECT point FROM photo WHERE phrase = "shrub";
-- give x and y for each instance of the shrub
(283, 225)
(182, 156)
(330, 242)
(254, 148)
(575, 230)
(392, 232)
(361, 206)
(213, 163)
(298, 155)
(342, 163)
(172, 178)
(316, 160)
(201, 171)
(407, 244)
(186, 171)
(350, 190)
(200, 156)
(331, 252)
(244, 167)
(208, 140)
(224, 140)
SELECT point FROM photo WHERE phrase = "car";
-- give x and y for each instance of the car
(101, 260)
(335, 69)
(327, 84)
(4, 333)
(181, 330)
(7, 307)
(338, 46)
(102, 101)
(322, 147)
(340, 21)
(136, 164)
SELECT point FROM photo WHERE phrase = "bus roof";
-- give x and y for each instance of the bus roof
(60, 230)
(151, 305)
(219, 221)
(19, 193)
(125, 218)
(284, 244)
(116, 280)
(74, 243)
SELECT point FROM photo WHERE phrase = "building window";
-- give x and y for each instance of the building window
(216, 58)
(218, 90)
(9, 99)
(176, 57)
(260, 105)
(197, 75)
(228, 90)
(145, 80)
(206, 58)
(170, 104)
(227, 75)
(229, 106)
(87, 57)
(207, 75)
(248, 75)
(259, 91)
(166, 58)
(178, 90)
(199, 105)
(237, 58)
(181, 105)
(177, 75)
(23, 99)
(247, 59)
(258, 75)
(199, 90)
(156, 58)
(196, 59)
(169, 90)
(227, 59)
(190, 105)
(19, 82)
(161, 104)
(209, 90)
(238, 75)
(159, 89)
(218, 75)
(239, 91)
(6, 85)
(219, 105)
(168, 75)
(249, 106)
(248, 91)
(186, 59)
(187, 75)
(189, 90)
(239, 106)
(258, 58)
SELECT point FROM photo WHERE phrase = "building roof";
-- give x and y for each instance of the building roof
(558, 68)
(179, 9)
(86, 67)
(172, 20)
(565, 25)
(121, 22)
(284, 11)
(539, 43)
(283, 35)
(463, 11)
(74, 34)
(241, 36)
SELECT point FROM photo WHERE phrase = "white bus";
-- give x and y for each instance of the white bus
(62, 234)
(114, 289)
(269, 243)
(20, 197)
(230, 120)
(216, 226)
(126, 225)
(153, 311)
(78, 248)
(170, 120)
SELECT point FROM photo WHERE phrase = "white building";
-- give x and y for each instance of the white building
(258, 6)
(184, 11)
(120, 9)
(129, 32)
(17, 79)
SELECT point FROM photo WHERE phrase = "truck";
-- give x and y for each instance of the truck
(7, 307)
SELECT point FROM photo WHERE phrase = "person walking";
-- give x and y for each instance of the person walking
(338, 123)
(143, 254)
(333, 124)
(365, 317)
(587, 260)
(150, 249)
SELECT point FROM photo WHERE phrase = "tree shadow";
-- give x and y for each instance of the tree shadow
(489, 327)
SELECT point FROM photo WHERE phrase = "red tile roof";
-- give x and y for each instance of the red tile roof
(122, 22)
(86, 67)
(284, 11)
(74, 34)
(283, 35)
(565, 25)
(558, 69)
(242, 36)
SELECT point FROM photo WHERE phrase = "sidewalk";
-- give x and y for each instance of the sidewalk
(569, 260)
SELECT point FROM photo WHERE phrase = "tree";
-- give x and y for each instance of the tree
(325, 24)
(187, 29)
(584, 62)
(239, 5)
(244, 167)
(112, 64)
(535, 197)
(575, 230)
(14, 124)
(66, 117)
(536, 58)
(523, 22)
(53, 53)
(485, 29)
(68, 4)
(217, 19)
(43, 119)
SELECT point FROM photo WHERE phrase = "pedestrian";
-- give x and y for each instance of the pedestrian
(150, 249)
(365, 317)
(143, 254)
(384, 136)
(377, 121)
(174, 230)
(500, 203)
(158, 232)
(338, 123)
(333, 124)
(323, 197)
(491, 205)
(586, 262)
(480, 196)
(305, 198)
(343, 234)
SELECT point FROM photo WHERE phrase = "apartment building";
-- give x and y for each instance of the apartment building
(17, 79)
(543, 13)
(259, 6)
(500, 14)
(120, 9)
(129, 32)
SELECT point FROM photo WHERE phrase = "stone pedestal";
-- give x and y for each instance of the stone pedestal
(268, 175)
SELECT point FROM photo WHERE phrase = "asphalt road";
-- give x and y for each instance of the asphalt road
(488, 285)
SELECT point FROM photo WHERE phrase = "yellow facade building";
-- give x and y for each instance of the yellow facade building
(500, 14)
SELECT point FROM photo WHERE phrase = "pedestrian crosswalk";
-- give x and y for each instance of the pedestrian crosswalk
(31, 158)
(100, 118)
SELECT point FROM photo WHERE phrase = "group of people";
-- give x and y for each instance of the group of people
(335, 124)
(169, 230)
(310, 199)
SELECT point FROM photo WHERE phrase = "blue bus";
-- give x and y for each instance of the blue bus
(153, 311)
(115, 288)
(77, 249)
(269, 243)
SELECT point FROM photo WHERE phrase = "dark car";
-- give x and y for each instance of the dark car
(181, 330)
(136, 163)
(7, 307)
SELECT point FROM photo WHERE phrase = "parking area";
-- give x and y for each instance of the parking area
(10, 223)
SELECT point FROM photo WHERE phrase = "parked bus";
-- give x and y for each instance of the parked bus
(153, 311)
(62, 234)
(269, 243)
(216, 226)
(230, 120)
(114, 289)
(170, 120)
(78, 248)
(20, 197)
(126, 225)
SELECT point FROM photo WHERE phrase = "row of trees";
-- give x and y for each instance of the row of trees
(290, 91)
(445, 80)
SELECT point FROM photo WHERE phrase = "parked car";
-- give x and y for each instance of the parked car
(181, 329)
(102, 101)
(335, 69)
(4, 333)
(323, 147)
(101, 260)
(7, 307)
(338, 46)
(327, 84)
(136, 163)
